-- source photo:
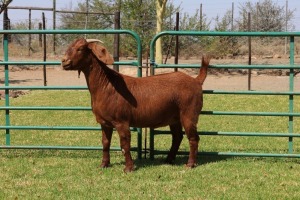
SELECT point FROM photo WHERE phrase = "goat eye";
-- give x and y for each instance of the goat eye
(80, 49)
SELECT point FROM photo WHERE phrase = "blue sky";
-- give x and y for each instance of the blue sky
(211, 8)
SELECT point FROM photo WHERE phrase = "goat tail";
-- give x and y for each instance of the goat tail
(203, 70)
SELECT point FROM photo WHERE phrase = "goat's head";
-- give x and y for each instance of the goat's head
(79, 54)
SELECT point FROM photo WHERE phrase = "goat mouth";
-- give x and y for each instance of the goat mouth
(66, 66)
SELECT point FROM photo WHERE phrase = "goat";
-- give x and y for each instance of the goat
(119, 101)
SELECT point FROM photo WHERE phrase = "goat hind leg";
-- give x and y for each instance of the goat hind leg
(177, 136)
(106, 140)
(193, 137)
(194, 141)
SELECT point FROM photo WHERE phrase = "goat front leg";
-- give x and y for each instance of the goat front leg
(125, 139)
(106, 140)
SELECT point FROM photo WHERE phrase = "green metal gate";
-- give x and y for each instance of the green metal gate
(290, 94)
(7, 108)
(138, 63)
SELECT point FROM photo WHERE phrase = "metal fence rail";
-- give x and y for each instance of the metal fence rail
(7, 108)
(290, 93)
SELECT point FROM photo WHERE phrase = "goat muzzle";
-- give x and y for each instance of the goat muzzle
(66, 64)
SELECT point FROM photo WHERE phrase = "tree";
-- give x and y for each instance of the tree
(266, 15)
(160, 11)
(193, 46)
(138, 16)
(224, 44)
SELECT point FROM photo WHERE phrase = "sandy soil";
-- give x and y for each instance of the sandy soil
(58, 77)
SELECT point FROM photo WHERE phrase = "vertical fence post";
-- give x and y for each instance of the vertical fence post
(54, 26)
(6, 77)
(117, 40)
(45, 51)
(201, 18)
(291, 96)
(249, 51)
(40, 35)
(286, 26)
(151, 143)
(29, 35)
(176, 41)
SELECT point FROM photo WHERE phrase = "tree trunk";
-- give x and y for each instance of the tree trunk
(160, 10)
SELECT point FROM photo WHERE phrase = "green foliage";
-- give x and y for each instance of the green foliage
(266, 15)
(141, 18)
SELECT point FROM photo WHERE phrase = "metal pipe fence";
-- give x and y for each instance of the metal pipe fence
(7, 107)
(290, 93)
(291, 114)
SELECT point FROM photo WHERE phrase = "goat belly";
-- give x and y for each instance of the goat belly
(154, 118)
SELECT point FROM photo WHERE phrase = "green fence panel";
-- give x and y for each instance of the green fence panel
(290, 93)
(6, 63)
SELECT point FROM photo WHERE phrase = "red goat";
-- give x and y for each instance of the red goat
(120, 101)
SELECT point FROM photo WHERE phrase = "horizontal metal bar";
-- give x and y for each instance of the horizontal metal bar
(43, 87)
(275, 114)
(134, 63)
(43, 108)
(85, 87)
(51, 128)
(29, 8)
(30, 63)
(186, 33)
(248, 134)
(156, 152)
(257, 66)
(203, 112)
(229, 66)
(74, 31)
(62, 147)
(57, 147)
(224, 33)
(249, 92)
(87, 128)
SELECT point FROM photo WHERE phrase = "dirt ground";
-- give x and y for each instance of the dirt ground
(232, 81)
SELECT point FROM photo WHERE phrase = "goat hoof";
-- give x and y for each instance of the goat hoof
(191, 165)
(129, 169)
(104, 165)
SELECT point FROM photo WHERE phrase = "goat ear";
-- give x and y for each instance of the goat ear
(101, 53)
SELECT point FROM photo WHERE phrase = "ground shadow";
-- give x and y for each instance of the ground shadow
(181, 160)
(21, 81)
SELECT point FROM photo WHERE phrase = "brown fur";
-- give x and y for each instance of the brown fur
(120, 101)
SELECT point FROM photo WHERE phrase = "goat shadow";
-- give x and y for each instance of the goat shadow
(159, 160)
(180, 160)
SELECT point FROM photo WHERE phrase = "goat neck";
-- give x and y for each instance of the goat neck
(99, 76)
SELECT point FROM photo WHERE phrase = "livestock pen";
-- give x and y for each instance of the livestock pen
(51, 174)
(289, 94)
